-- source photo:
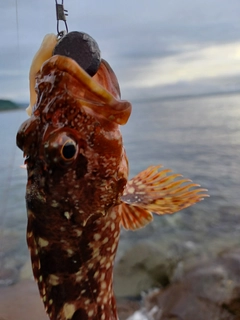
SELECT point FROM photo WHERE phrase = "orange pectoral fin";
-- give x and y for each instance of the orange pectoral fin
(134, 217)
(158, 192)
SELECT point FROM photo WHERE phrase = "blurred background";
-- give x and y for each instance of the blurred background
(178, 62)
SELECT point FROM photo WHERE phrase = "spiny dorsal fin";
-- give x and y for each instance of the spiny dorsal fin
(157, 191)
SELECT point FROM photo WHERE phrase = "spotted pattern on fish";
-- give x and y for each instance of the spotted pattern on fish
(78, 195)
(73, 266)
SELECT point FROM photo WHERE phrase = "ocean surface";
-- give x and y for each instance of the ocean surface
(197, 137)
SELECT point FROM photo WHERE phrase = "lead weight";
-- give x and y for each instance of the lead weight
(82, 48)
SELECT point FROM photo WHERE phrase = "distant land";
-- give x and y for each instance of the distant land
(23, 105)
(6, 105)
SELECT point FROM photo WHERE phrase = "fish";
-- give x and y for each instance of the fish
(78, 194)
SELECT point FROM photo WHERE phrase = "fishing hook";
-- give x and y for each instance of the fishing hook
(61, 15)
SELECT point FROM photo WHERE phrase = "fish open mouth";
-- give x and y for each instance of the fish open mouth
(102, 90)
(100, 93)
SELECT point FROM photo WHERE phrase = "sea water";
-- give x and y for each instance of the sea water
(197, 137)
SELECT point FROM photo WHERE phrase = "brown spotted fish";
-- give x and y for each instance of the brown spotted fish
(78, 195)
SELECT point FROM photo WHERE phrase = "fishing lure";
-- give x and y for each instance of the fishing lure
(78, 194)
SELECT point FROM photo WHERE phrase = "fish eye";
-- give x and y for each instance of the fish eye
(69, 150)
(60, 148)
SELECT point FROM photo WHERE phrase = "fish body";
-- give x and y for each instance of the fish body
(78, 195)
(77, 170)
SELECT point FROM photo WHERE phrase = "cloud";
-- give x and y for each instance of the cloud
(179, 89)
(191, 64)
(147, 43)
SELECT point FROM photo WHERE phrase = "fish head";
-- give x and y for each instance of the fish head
(72, 142)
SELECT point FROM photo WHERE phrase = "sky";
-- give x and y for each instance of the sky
(156, 48)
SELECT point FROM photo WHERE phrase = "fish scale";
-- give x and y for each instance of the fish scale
(78, 200)
(75, 275)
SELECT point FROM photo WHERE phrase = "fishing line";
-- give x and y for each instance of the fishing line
(10, 167)
(6, 194)
(17, 24)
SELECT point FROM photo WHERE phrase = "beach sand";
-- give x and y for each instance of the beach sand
(21, 301)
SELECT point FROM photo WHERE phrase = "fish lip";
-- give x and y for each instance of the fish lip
(70, 66)
(113, 108)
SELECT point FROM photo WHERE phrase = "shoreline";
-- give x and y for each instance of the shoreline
(210, 290)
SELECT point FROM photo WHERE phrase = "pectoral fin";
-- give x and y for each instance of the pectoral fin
(157, 191)
(134, 217)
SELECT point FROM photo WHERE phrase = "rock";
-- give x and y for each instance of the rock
(217, 281)
(146, 265)
(12, 255)
(140, 268)
(9, 240)
(179, 303)
(211, 290)
(126, 308)
(8, 276)
(26, 271)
